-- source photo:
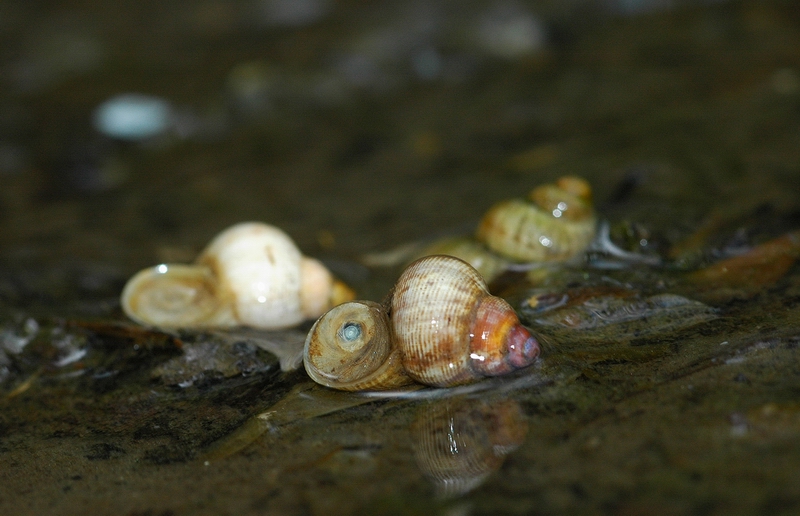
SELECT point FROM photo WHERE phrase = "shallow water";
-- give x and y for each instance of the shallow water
(361, 128)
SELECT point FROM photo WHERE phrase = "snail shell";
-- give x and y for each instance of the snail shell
(250, 274)
(489, 264)
(444, 326)
(176, 296)
(555, 223)
(358, 353)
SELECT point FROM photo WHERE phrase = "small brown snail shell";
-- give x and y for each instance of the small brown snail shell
(351, 348)
(554, 223)
(442, 327)
(251, 274)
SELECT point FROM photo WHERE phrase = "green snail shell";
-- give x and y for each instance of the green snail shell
(555, 223)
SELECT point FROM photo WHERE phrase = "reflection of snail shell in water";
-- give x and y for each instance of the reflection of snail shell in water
(251, 274)
(445, 329)
(460, 442)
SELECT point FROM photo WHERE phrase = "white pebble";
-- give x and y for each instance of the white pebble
(133, 116)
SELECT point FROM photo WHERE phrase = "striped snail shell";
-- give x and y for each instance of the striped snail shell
(251, 274)
(489, 264)
(555, 223)
(441, 322)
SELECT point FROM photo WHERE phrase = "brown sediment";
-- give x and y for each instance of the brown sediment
(747, 274)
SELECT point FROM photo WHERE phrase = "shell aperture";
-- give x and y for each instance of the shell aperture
(349, 348)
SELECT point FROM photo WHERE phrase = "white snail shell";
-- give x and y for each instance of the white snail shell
(251, 274)
(443, 326)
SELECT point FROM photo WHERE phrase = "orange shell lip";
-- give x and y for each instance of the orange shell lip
(499, 344)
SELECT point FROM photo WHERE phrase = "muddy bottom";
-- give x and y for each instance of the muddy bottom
(669, 378)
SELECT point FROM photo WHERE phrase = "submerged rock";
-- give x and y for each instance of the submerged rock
(210, 360)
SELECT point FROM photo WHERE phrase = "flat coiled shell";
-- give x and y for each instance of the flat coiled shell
(176, 296)
(350, 348)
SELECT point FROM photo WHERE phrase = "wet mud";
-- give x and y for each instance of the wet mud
(669, 379)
